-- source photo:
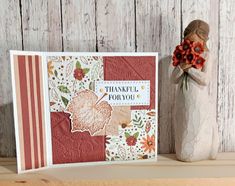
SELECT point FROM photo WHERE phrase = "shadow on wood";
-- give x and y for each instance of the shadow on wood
(7, 132)
(166, 95)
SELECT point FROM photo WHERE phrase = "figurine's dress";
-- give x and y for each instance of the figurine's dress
(196, 131)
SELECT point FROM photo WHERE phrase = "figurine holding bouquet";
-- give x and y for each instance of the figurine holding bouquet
(188, 54)
(196, 131)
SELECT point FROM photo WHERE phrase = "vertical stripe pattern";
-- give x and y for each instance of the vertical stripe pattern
(30, 110)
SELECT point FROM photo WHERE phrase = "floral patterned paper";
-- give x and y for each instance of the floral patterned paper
(129, 134)
(136, 140)
(69, 74)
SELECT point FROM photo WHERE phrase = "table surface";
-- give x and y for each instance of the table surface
(166, 171)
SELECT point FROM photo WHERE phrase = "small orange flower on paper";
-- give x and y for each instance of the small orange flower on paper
(148, 144)
(50, 68)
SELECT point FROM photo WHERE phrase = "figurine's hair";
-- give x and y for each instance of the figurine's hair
(198, 27)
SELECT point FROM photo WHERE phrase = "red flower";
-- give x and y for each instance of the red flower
(180, 48)
(177, 57)
(190, 57)
(186, 45)
(199, 62)
(78, 74)
(175, 61)
(189, 52)
(131, 140)
(197, 48)
(178, 54)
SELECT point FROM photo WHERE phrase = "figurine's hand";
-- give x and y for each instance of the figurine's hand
(185, 66)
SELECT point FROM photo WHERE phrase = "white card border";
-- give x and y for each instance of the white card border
(16, 119)
(47, 111)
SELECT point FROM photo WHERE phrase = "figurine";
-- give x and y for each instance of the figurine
(196, 130)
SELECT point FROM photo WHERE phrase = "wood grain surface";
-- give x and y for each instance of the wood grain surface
(41, 25)
(125, 25)
(226, 76)
(10, 37)
(166, 172)
(115, 21)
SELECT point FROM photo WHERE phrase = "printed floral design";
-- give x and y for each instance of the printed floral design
(107, 140)
(71, 81)
(79, 73)
(143, 157)
(127, 145)
(50, 68)
(151, 113)
(131, 140)
(67, 75)
(138, 121)
(125, 124)
(147, 127)
(88, 113)
(148, 143)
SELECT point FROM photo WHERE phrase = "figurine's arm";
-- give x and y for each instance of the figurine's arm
(176, 74)
(200, 76)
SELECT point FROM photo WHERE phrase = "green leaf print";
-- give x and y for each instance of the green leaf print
(63, 89)
(127, 135)
(138, 121)
(92, 86)
(65, 100)
(136, 135)
(56, 73)
(78, 64)
(81, 85)
(86, 70)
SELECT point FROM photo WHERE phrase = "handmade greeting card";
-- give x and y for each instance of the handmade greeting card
(84, 108)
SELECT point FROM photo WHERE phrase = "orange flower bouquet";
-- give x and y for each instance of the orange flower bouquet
(188, 52)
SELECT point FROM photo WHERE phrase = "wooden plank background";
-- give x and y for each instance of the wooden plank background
(122, 25)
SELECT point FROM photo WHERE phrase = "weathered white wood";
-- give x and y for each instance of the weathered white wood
(41, 21)
(226, 76)
(148, 25)
(158, 29)
(206, 10)
(115, 25)
(109, 25)
(10, 38)
(79, 31)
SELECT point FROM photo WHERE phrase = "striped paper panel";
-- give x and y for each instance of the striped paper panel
(30, 111)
